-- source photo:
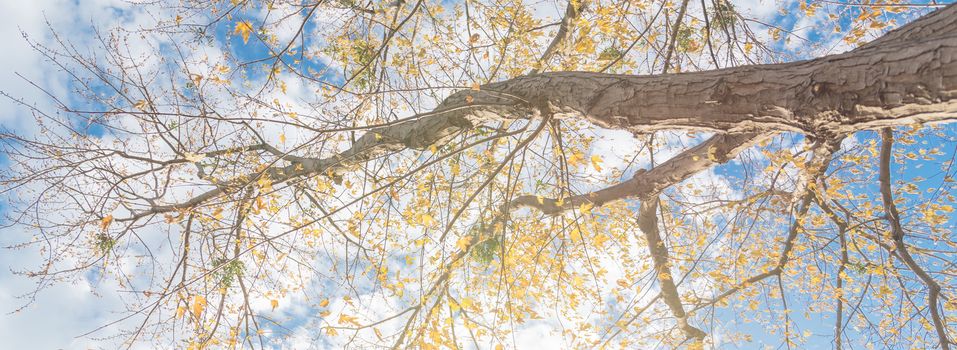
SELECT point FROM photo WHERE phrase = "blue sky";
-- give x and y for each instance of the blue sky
(67, 310)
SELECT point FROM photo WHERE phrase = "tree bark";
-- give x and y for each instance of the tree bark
(908, 76)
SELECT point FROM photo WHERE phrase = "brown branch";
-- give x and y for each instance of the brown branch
(674, 35)
(434, 129)
(648, 183)
(648, 224)
(897, 233)
(572, 12)
(842, 228)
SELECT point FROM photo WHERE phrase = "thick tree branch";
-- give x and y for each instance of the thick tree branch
(649, 183)
(910, 77)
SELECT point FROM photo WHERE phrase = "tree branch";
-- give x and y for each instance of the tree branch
(572, 12)
(649, 183)
(897, 233)
(648, 224)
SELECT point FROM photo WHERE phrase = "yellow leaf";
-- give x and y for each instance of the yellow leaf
(712, 156)
(578, 281)
(282, 138)
(664, 275)
(243, 29)
(324, 303)
(576, 235)
(596, 162)
(344, 319)
(197, 79)
(140, 105)
(600, 240)
(464, 242)
(199, 304)
(575, 159)
(426, 220)
(467, 303)
(105, 221)
(274, 303)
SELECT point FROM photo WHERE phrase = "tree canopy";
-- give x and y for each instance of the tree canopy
(484, 173)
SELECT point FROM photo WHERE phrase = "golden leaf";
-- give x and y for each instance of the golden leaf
(467, 303)
(105, 221)
(243, 29)
(464, 242)
(576, 158)
(344, 319)
(596, 162)
(426, 220)
(199, 304)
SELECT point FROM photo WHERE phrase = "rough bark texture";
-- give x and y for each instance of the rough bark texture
(908, 76)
